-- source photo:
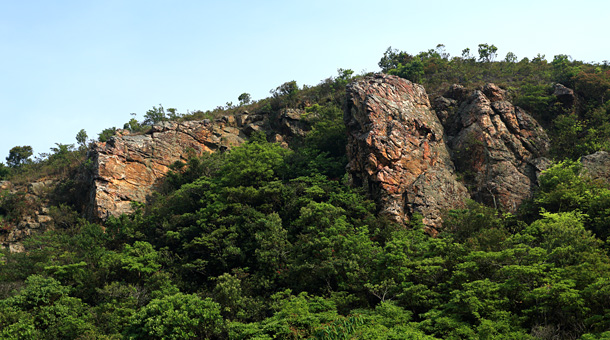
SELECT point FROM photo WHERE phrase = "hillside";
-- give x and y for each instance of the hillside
(445, 198)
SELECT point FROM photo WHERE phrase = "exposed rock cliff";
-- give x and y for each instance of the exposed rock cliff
(397, 147)
(397, 151)
(127, 168)
(497, 147)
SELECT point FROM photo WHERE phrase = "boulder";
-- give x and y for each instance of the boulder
(396, 150)
(40, 188)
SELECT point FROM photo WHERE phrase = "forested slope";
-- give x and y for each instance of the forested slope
(266, 241)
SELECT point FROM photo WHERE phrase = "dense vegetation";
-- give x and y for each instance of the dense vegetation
(263, 242)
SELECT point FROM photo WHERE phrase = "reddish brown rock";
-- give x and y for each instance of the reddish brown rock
(497, 147)
(397, 151)
(127, 168)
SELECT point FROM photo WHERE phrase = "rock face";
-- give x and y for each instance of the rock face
(597, 165)
(397, 151)
(35, 219)
(291, 123)
(564, 95)
(128, 167)
(497, 147)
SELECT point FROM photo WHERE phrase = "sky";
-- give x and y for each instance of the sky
(72, 65)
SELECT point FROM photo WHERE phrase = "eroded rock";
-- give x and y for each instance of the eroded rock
(564, 94)
(35, 218)
(397, 151)
(292, 124)
(127, 168)
(497, 147)
(597, 165)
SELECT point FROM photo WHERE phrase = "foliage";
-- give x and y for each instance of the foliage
(179, 316)
(154, 115)
(16, 206)
(565, 188)
(577, 127)
(413, 71)
(105, 135)
(487, 53)
(81, 138)
(18, 156)
(4, 171)
(244, 98)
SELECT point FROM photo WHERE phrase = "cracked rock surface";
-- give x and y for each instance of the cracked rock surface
(497, 147)
(128, 168)
(396, 150)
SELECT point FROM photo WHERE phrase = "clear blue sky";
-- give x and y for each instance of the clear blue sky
(71, 65)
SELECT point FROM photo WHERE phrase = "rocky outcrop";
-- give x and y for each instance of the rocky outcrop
(292, 124)
(597, 165)
(128, 167)
(397, 151)
(564, 95)
(33, 209)
(498, 148)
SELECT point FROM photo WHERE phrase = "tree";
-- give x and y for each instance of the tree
(564, 71)
(154, 115)
(134, 126)
(173, 114)
(440, 50)
(487, 53)
(392, 57)
(285, 94)
(289, 88)
(105, 135)
(510, 57)
(19, 155)
(81, 138)
(4, 171)
(413, 71)
(244, 98)
(345, 75)
(178, 316)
